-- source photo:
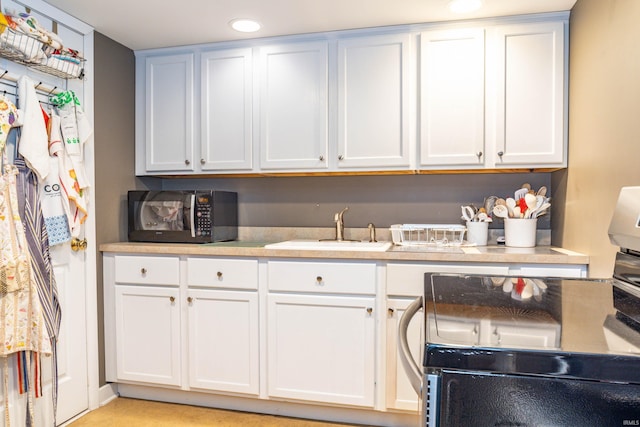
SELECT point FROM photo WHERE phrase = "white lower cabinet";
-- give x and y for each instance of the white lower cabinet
(321, 327)
(160, 323)
(399, 393)
(223, 340)
(147, 325)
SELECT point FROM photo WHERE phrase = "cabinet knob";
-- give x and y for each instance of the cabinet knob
(187, 162)
(479, 154)
(500, 153)
(340, 157)
(172, 299)
(321, 158)
(203, 161)
(319, 279)
(390, 311)
(189, 300)
(219, 274)
(369, 310)
(143, 270)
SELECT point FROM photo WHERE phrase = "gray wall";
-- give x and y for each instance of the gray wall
(383, 200)
(114, 150)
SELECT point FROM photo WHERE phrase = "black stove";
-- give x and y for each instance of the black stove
(536, 351)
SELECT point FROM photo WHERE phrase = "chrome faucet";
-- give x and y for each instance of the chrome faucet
(372, 232)
(340, 224)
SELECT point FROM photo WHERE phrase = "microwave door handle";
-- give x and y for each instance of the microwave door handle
(192, 217)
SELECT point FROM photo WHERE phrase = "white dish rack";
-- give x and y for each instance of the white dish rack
(428, 234)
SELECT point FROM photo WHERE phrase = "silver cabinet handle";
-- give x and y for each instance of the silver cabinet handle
(189, 300)
(143, 270)
(187, 162)
(340, 157)
(219, 274)
(369, 310)
(479, 154)
(172, 299)
(203, 161)
(321, 158)
(500, 153)
(390, 311)
(319, 279)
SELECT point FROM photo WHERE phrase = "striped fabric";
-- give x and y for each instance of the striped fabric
(42, 269)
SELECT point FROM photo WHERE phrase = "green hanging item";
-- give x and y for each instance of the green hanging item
(64, 98)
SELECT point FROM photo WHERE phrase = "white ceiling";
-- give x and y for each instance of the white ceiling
(144, 24)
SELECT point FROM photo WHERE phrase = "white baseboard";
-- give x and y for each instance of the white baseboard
(107, 393)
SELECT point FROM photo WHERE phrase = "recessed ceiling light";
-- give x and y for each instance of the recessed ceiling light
(464, 6)
(245, 25)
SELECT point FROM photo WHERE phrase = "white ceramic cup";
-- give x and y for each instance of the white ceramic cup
(520, 232)
(477, 232)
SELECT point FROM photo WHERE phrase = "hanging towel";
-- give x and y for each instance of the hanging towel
(76, 206)
(76, 130)
(55, 204)
(34, 139)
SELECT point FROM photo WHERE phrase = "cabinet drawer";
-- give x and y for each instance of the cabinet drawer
(408, 279)
(223, 272)
(326, 277)
(147, 270)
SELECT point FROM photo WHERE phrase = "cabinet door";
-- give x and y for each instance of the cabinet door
(321, 348)
(148, 334)
(227, 97)
(169, 111)
(400, 394)
(223, 340)
(293, 106)
(530, 95)
(452, 98)
(373, 105)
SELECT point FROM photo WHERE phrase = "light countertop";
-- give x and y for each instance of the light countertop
(487, 254)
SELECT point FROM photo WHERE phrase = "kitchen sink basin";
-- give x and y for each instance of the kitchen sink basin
(331, 245)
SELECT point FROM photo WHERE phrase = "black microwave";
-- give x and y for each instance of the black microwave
(182, 216)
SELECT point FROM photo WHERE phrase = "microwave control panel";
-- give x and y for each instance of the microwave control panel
(203, 215)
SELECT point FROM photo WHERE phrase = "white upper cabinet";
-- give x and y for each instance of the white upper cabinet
(294, 90)
(373, 102)
(452, 98)
(483, 95)
(226, 120)
(169, 113)
(528, 87)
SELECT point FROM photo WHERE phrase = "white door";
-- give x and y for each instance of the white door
(74, 271)
(452, 98)
(293, 106)
(148, 339)
(529, 94)
(223, 340)
(227, 106)
(169, 122)
(321, 348)
(400, 393)
(373, 105)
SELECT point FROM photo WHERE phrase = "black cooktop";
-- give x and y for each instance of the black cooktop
(546, 326)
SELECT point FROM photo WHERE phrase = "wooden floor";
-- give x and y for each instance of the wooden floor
(126, 412)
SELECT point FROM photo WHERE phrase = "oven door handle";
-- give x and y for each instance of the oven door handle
(408, 362)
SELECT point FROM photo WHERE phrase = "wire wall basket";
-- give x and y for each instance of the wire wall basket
(28, 50)
(428, 234)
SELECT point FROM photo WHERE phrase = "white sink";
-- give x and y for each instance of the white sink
(331, 245)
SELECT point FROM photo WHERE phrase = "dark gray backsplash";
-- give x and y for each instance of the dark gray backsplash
(382, 200)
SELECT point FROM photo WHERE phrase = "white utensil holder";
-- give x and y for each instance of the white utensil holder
(520, 232)
(477, 232)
